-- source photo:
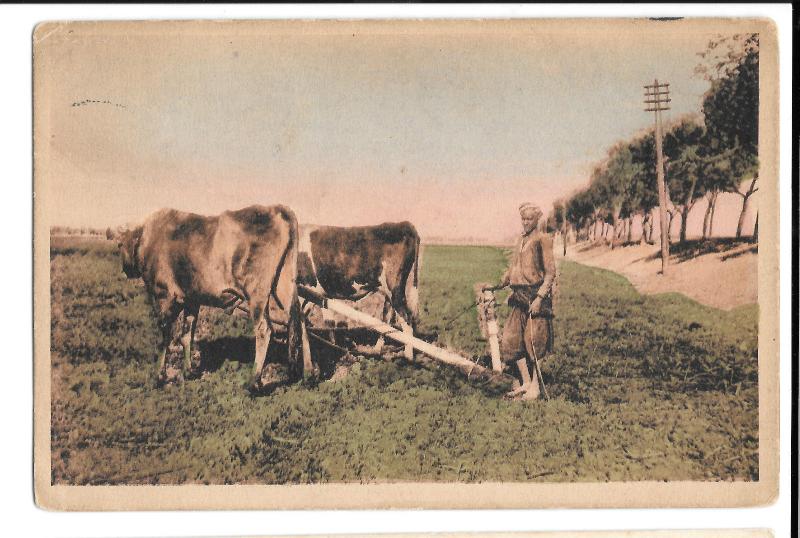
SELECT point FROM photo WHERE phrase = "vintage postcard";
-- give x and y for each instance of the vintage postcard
(406, 264)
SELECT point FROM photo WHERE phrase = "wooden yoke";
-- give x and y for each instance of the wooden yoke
(487, 320)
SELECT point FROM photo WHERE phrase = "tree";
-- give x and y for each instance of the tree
(559, 221)
(712, 192)
(644, 190)
(730, 107)
(718, 177)
(614, 182)
(751, 189)
(598, 203)
(579, 212)
(683, 147)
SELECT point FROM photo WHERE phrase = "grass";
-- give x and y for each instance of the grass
(644, 388)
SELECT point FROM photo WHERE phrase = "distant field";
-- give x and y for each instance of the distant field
(644, 388)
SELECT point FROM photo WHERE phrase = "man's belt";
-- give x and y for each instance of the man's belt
(526, 286)
(523, 295)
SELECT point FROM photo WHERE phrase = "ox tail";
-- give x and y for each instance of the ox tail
(291, 246)
(295, 332)
(412, 291)
(416, 263)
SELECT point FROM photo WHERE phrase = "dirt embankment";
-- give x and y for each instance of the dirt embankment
(722, 273)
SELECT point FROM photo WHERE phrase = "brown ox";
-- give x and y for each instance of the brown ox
(189, 260)
(349, 263)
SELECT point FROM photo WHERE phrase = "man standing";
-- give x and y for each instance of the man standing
(528, 331)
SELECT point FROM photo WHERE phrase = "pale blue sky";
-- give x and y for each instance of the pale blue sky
(449, 131)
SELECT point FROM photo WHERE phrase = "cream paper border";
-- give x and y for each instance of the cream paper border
(397, 495)
(706, 533)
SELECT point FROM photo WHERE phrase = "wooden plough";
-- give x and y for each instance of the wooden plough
(487, 320)
(474, 371)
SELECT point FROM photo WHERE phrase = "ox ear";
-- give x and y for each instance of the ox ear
(120, 232)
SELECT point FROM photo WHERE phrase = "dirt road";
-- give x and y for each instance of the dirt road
(723, 274)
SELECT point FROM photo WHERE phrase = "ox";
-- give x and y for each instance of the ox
(349, 263)
(245, 256)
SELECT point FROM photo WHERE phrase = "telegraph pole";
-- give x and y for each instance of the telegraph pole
(656, 98)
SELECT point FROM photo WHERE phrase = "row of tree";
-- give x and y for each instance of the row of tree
(73, 230)
(704, 155)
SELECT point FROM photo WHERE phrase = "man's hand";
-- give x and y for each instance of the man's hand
(492, 288)
(536, 307)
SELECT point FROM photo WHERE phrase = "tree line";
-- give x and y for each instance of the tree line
(80, 230)
(705, 154)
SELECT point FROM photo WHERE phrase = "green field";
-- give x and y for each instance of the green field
(643, 387)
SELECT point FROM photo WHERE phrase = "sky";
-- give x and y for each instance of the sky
(449, 127)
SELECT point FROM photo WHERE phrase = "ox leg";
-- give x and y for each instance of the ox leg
(387, 315)
(308, 364)
(191, 351)
(404, 318)
(171, 325)
(162, 365)
(263, 335)
(298, 345)
(409, 349)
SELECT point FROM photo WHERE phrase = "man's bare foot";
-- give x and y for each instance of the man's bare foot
(532, 393)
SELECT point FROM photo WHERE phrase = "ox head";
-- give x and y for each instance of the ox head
(128, 243)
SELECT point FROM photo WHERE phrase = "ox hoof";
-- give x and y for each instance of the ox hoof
(195, 372)
(255, 386)
(311, 379)
(272, 376)
(313, 373)
(171, 376)
(255, 389)
(196, 365)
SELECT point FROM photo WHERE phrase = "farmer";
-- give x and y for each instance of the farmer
(528, 331)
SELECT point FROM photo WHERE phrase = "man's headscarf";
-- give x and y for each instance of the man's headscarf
(529, 208)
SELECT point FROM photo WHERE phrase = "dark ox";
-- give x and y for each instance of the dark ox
(350, 263)
(245, 256)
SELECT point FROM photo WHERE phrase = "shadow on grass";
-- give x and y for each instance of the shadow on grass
(242, 349)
